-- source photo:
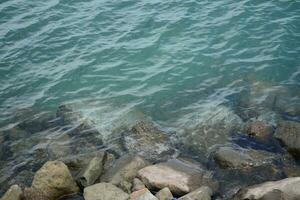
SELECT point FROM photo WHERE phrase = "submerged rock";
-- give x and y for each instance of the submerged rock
(34, 194)
(180, 177)
(288, 133)
(164, 194)
(124, 171)
(287, 189)
(104, 191)
(202, 193)
(13, 193)
(143, 194)
(259, 129)
(54, 180)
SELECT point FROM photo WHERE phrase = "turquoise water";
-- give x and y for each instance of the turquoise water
(170, 60)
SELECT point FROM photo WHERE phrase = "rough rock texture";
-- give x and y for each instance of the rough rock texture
(229, 157)
(164, 194)
(92, 171)
(143, 194)
(148, 141)
(259, 129)
(75, 196)
(13, 193)
(180, 177)
(288, 188)
(55, 180)
(202, 193)
(104, 191)
(137, 184)
(33, 194)
(288, 133)
(124, 171)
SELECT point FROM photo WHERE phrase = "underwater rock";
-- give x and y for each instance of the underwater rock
(164, 194)
(33, 194)
(137, 185)
(13, 193)
(143, 194)
(180, 177)
(202, 193)
(288, 105)
(288, 134)
(288, 189)
(148, 141)
(104, 191)
(55, 180)
(259, 129)
(124, 171)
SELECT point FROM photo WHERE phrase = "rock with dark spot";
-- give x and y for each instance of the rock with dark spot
(259, 129)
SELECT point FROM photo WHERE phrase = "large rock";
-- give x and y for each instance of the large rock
(148, 141)
(259, 129)
(288, 189)
(180, 177)
(104, 191)
(143, 194)
(202, 193)
(124, 171)
(288, 133)
(55, 180)
(33, 194)
(13, 193)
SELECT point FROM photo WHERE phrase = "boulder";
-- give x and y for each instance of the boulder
(143, 194)
(137, 185)
(55, 180)
(104, 191)
(164, 194)
(33, 194)
(148, 141)
(288, 189)
(259, 129)
(288, 134)
(124, 171)
(75, 196)
(13, 193)
(180, 177)
(202, 193)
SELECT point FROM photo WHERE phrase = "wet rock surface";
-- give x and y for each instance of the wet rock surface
(13, 193)
(259, 129)
(202, 193)
(143, 194)
(104, 191)
(164, 194)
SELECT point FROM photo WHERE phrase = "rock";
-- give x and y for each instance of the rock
(55, 180)
(33, 194)
(164, 194)
(259, 129)
(231, 157)
(124, 171)
(148, 141)
(203, 193)
(288, 134)
(287, 189)
(104, 191)
(137, 185)
(75, 196)
(143, 194)
(13, 193)
(93, 171)
(180, 177)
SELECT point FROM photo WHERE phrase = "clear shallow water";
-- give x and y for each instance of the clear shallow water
(173, 61)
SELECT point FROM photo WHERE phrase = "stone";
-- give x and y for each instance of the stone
(180, 177)
(104, 191)
(13, 193)
(92, 171)
(202, 193)
(164, 194)
(75, 196)
(143, 194)
(124, 171)
(259, 129)
(137, 185)
(287, 189)
(55, 180)
(33, 194)
(148, 141)
(288, 134)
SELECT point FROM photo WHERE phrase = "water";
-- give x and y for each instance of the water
(171, 61)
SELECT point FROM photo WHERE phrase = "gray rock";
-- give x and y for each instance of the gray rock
(55, 180)
(164, 194)
(75, 196)
(288, 133)
(143, 194)
(180, 177)
(259, 129)
(124, 171)
(287, 189)
(33, 194)
(104, 191)
(137, 185)
(13, 193)
(202, 193)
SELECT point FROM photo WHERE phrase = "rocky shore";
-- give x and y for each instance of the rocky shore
(229, 155)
